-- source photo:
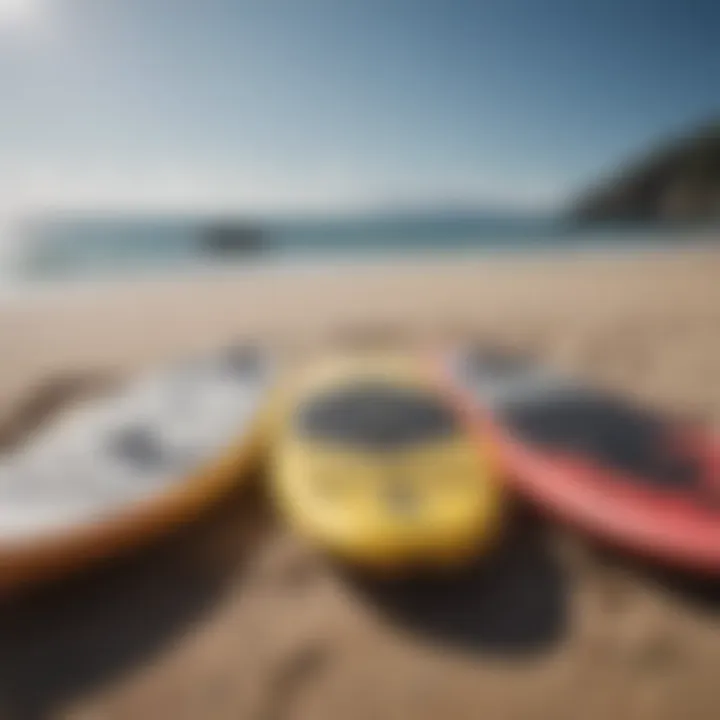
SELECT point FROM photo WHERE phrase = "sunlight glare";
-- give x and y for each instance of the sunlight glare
(18, 12)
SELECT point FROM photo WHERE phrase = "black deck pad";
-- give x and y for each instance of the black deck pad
(609, 432)
(376, 416)
(564, 415)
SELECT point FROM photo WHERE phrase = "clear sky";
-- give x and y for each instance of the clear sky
(340, 103)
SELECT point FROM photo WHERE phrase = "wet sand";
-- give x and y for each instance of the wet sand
(233, 618)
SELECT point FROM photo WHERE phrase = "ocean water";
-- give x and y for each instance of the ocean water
(103, 247)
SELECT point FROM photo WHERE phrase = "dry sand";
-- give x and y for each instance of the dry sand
(233, 618)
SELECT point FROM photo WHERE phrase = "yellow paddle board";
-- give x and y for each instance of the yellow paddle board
(372, 464)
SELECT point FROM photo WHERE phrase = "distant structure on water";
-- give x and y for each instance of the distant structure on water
(231, 238)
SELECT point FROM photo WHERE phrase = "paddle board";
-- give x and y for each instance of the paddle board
(619, 471)
(118, 470)
(372, 464)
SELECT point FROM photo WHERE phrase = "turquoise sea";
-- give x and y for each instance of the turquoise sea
(76, 248)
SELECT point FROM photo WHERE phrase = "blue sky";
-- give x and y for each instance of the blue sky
(333, 104)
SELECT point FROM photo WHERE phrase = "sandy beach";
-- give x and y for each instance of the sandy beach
(233, 618)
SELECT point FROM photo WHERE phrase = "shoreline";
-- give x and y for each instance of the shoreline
(13, 287)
